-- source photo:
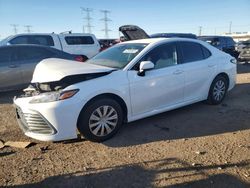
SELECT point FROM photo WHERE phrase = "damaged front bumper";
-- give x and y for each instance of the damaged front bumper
(52, 121)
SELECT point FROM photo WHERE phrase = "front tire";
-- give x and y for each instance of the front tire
(218, 90)
(100, 120)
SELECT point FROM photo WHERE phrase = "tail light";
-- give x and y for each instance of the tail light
(79, 58)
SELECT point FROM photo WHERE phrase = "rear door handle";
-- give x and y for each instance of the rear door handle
(178, 72)
(13, 66)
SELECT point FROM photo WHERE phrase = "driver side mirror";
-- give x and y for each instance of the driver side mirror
(144, 66)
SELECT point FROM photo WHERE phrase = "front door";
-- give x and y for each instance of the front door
(160, 87)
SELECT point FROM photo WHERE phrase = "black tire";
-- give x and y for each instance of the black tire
(212, 97)
(84, 120)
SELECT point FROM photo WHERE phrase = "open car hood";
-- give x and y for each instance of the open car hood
(53, 69)
(133, 32)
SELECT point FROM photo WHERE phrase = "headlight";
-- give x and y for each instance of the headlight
(53, 96)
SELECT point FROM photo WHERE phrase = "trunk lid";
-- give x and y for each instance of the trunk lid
(133, 32)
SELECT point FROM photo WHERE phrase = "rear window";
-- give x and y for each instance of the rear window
(191, 52)
(29, 53)
(79, 40)
(45, 40)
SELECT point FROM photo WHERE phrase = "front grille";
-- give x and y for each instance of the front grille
(34, 122)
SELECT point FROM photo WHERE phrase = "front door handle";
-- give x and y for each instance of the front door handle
(178, 72)
(13, 66)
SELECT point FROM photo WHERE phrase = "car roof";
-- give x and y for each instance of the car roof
(180, 35)
(213, 36)
(25, 45)
(156, 40)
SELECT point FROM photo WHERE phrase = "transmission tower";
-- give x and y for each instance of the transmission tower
(230, 27)
(87, 18)
(14, 28)
(28, 30)
(200, 30)
(105, 19)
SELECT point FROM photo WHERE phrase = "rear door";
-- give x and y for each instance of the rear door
(199, 69)
(10, 74)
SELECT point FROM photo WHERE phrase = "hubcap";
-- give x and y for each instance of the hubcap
(219, 90)
(103, 120)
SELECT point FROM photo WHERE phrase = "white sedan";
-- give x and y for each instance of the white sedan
(127, 82)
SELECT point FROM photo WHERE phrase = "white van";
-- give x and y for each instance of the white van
(83, 44)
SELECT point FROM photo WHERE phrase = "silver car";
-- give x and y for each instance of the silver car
(17, 63)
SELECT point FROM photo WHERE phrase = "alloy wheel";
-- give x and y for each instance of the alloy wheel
(103, 120)
(219, 90)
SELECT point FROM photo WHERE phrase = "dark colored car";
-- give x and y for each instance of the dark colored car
(17, 63)
(106, 43)
(245, 54)
(171, 35)
(223, 43)
(133, 32)
(241, 44)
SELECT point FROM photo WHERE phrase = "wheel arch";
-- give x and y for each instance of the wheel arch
(113, 96)
(225, 75)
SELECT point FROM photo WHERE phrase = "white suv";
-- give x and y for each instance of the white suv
(124, 83)
(85, 45)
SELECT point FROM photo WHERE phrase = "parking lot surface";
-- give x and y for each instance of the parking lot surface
(196, 146)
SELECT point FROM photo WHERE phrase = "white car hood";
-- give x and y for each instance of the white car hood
(54, 69)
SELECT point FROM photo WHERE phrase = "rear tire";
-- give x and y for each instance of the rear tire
(100, 120)
(218, 90)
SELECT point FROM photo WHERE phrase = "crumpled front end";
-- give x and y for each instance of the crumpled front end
(47, 121)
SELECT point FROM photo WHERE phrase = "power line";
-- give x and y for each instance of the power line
(14, 28)
(28, 30)
(105, 19)
(88, 18)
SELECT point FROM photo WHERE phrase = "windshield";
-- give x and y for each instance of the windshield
(118, 56)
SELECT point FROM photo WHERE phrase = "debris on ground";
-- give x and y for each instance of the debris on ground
(1, 144)
(18, 144)
(44, 149)
(200, 152)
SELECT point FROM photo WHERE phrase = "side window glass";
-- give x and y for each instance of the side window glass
(162, 56)
(19, 40)
(206, 52)
(79, 40)
(34, 53)
(41, 40)
(191, 52)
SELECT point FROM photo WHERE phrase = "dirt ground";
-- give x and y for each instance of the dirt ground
(195, 146)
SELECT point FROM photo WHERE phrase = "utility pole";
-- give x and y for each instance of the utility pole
(14, 28)
(105, 19)
(200, 30)
(28, 30)
(88, 18)
(230, 27)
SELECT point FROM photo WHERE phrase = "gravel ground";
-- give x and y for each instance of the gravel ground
(195, 146)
